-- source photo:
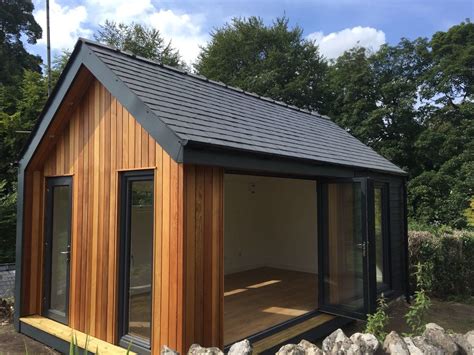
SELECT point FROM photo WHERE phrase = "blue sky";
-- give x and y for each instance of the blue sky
(336, 25)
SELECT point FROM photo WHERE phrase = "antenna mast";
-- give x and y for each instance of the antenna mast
(48, 45)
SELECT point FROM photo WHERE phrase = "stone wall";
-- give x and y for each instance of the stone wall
(434, 340)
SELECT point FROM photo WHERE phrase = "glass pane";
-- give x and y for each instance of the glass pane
(344, 279)
(378, 202)
(59, 240)
(141, 246)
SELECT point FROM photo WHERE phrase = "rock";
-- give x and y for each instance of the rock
(425, 347)
(241, 348)
(310, 348)
(463, 344)
(168, 351)
(336, 342)
(367, 343)
(469, 336)
(197, 349)
(291, 349)
(435, 335)
(394, 344)
(412, 348)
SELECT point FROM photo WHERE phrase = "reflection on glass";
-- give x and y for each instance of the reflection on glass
(344, 279)
(141, 245)
(379, 262)
(59, 240)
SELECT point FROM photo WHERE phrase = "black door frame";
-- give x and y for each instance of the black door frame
(369, 283)
(51, 183)
(125, 339)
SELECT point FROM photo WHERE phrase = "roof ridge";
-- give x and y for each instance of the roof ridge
(203, 78)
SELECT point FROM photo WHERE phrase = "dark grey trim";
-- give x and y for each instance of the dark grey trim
(51, 183)
(126, 180)
(43, 337)
(367, 274)
(406, 257)
(19, 246)
(254, 162)
(166, 137)
(53, 104)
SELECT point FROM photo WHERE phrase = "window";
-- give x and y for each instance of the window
(382, 240)
(136, 258)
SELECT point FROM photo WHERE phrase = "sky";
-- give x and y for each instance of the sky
(336, 25)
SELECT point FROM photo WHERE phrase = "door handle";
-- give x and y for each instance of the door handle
(64, 252)
(362, 246)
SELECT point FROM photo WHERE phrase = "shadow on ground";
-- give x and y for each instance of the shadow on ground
(12, 342)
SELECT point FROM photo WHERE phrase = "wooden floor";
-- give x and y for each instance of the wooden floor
(291, 332)
(66, 333)
(258, 299)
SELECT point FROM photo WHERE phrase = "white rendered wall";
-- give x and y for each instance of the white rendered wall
(269, 222)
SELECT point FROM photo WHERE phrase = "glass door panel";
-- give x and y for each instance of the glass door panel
(136, 258)
(344, 248)
(57, 248)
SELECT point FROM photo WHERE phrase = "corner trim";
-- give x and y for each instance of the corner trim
(19, 247)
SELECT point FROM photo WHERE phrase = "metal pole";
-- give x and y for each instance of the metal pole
(48, 49)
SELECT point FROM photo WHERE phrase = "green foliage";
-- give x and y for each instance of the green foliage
(451, 254)
(7, 224)
(274, 61)
(140, 40)
(377, 322)
(415, 316)
(16, 23)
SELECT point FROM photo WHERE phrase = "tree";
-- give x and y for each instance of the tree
(140, 40)
(16, 22)
(373, 96)
(353, 96)
(445, 149)
(273, 61)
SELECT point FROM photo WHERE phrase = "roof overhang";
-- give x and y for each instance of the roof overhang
(82, 56)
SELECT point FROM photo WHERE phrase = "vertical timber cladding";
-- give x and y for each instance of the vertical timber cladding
(100, 139)
(204, 256)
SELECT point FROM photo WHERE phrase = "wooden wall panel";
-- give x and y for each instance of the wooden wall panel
(99, 140)
(204, 277)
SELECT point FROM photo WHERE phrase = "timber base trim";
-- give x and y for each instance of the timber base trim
(310, 329)
(59, 336)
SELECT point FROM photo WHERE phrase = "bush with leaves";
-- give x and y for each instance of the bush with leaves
(415, 316)
(451, 254)
(377, 322)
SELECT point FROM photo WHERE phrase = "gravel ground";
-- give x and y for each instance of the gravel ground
(12, 342)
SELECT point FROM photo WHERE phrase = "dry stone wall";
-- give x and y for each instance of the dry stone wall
(434, 340)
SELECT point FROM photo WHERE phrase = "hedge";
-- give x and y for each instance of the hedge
(451, 254)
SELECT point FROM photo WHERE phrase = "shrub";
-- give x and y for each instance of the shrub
(415, 316)
(377, 322)
(451, 254)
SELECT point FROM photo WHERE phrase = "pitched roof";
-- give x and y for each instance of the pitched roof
(197, 111)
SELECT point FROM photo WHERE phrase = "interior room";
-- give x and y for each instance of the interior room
(270, 252)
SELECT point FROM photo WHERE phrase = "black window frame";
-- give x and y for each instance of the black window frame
(52, 182)
(126, 340)
(386, 286)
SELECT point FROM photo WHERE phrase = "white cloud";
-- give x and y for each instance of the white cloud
(67, 24)
(119, 10)
(334, 44)
(182, 29)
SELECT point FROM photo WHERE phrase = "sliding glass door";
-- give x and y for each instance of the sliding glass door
(57, 247)
(344, 247)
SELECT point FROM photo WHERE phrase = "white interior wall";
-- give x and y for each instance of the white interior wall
(269, 222)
